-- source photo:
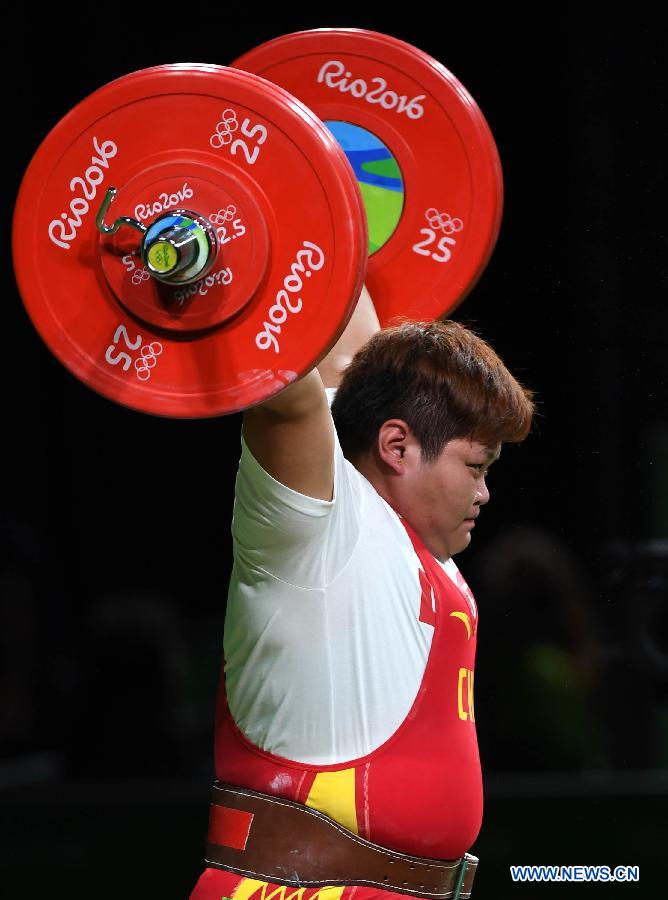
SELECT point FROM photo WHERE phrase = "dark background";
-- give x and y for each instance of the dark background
(114, 544)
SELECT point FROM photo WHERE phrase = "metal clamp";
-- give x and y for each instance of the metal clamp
(179, 247)
(123, 220)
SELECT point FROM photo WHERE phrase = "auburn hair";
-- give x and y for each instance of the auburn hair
(441, 379)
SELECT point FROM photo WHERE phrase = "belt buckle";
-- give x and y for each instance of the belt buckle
(460, 877)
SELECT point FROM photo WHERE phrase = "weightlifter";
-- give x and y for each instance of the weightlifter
(346, 749)
(345, 746)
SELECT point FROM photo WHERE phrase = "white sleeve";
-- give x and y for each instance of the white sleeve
(298, 539)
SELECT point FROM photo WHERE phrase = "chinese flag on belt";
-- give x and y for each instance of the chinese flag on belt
(229, 827)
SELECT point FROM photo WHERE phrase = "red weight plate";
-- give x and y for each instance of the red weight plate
(227, 145)
(423, 154)
(241, 263)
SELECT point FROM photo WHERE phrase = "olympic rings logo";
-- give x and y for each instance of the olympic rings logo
(224, 129)
(147, 360)
(223, 215)
(443, 221)
(140, 275)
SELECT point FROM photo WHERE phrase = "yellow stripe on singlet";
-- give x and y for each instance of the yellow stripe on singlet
(248, 887)
(333, 793)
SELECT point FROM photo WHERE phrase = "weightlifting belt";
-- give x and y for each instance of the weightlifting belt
(277, 840)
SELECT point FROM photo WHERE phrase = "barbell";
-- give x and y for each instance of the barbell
(192, 238)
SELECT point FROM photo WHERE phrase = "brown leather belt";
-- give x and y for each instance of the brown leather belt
(277, 840)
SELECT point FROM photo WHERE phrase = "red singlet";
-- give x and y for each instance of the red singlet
(421, 791)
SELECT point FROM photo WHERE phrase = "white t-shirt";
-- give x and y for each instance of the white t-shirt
(324, 648)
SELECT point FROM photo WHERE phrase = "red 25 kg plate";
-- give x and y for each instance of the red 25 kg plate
(424, 157)
(232, 147)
